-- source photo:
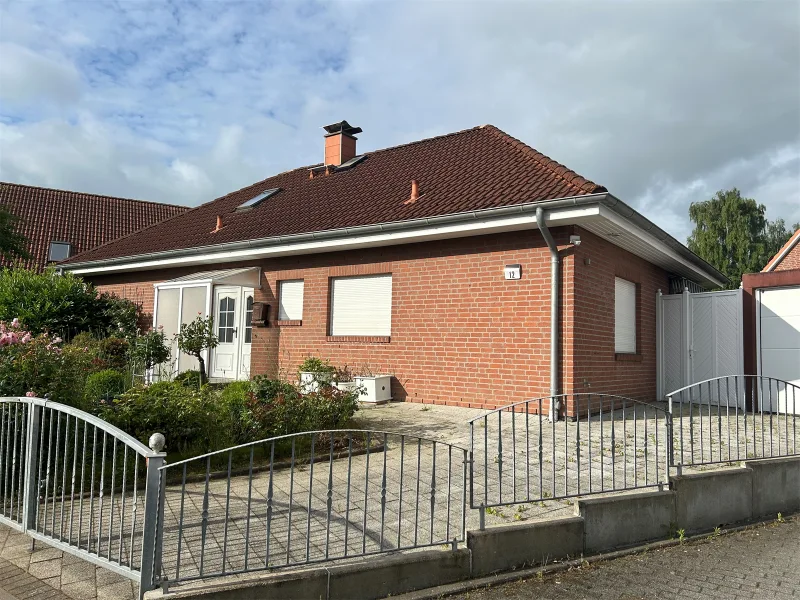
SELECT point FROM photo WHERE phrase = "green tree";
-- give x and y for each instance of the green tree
(195, 337)
(12, 243)
(733, 234)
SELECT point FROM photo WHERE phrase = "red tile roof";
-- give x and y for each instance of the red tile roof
(469, 170)
(83, 220)
(782, 253)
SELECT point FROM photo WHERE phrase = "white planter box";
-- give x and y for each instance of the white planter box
(375, 389)
(309, 382)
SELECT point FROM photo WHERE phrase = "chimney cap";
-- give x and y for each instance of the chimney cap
(342, 127)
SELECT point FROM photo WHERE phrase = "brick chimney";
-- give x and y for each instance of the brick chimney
(340, 143)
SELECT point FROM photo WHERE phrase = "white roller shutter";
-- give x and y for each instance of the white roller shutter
(361, 305)
(291, 300)
(624, 316)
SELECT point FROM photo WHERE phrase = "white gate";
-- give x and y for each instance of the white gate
(698, 337)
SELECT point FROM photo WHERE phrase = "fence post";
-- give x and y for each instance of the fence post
(30, 501)
(153, 515)
(670, 448)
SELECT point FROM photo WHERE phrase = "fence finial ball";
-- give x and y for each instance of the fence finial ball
(157, 442)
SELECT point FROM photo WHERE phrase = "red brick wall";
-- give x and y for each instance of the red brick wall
(596, 367)
(791, 260)
(461, 333)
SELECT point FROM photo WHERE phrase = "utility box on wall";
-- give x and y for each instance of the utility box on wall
(260, 314)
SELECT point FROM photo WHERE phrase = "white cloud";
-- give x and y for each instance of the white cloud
(663, 103)
(27, 76)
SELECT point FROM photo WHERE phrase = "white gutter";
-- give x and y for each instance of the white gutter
(561, 211)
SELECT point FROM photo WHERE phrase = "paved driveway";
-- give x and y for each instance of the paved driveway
(757, 564)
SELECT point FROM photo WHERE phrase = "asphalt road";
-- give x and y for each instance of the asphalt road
(760, 563)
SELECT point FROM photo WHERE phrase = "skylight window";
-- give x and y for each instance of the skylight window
(59, 251)
(253, 202)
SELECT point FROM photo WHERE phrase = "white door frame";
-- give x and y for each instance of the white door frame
(233, 347)
(243, 371)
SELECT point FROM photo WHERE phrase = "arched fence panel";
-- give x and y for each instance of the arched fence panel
(308, 498)
(75, 482)
(734, 418)
(613, 443)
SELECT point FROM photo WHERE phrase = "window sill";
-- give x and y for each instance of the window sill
(292, 323)
(360, 339)
(628, 357)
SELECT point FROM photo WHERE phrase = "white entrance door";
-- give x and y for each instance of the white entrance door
(227, 316)
(778, 346)
(246, 336)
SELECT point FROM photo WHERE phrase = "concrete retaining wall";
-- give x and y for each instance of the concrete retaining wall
(392, 575)
(707, 500)
(508, 547)
(776, 486)
(619, 521)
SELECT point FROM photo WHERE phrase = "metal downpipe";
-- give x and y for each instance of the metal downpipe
(555, 269)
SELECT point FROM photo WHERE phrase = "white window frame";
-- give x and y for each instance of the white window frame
(292, 310)
(625, 300)
(347, 323)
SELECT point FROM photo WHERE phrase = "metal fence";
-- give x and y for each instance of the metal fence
(733, 418)
(308, 498)
(79, 484)
(613, 444)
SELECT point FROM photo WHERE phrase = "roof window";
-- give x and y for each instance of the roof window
(253, 202)
(59, 251)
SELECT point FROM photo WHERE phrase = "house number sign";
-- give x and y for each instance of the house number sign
(513, 271)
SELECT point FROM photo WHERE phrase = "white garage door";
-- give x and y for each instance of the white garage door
(778, 346)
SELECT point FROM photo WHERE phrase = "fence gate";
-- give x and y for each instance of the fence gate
(699, 337)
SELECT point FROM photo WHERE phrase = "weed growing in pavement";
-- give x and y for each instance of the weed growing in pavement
(781, 519)
(681, 535)
(715, 533)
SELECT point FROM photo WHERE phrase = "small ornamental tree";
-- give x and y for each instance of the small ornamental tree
(150, 349)
(195, 337)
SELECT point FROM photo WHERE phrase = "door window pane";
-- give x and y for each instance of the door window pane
(227, 309)
(248, 321)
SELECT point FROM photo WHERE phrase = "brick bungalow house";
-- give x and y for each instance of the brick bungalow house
(772, 316)
(431, 261)
(59, 224)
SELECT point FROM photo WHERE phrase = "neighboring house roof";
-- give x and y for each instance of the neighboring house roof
(790, 248)
(471, 182)
(83, 220)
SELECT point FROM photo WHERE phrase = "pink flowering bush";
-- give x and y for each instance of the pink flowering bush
(41, 365)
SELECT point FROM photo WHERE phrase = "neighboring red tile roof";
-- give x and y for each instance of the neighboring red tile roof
(788, 257)
(83, 220)
(474, 169)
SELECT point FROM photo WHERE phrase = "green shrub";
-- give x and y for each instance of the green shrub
(317, 366)
(233, 399)
(187, 418)
(190, 379)
(114, 352)
(278, 408)
(149, 350)
(104, 386)
(41, 366)
(63, 305)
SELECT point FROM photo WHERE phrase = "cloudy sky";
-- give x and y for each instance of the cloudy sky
(662, 102)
